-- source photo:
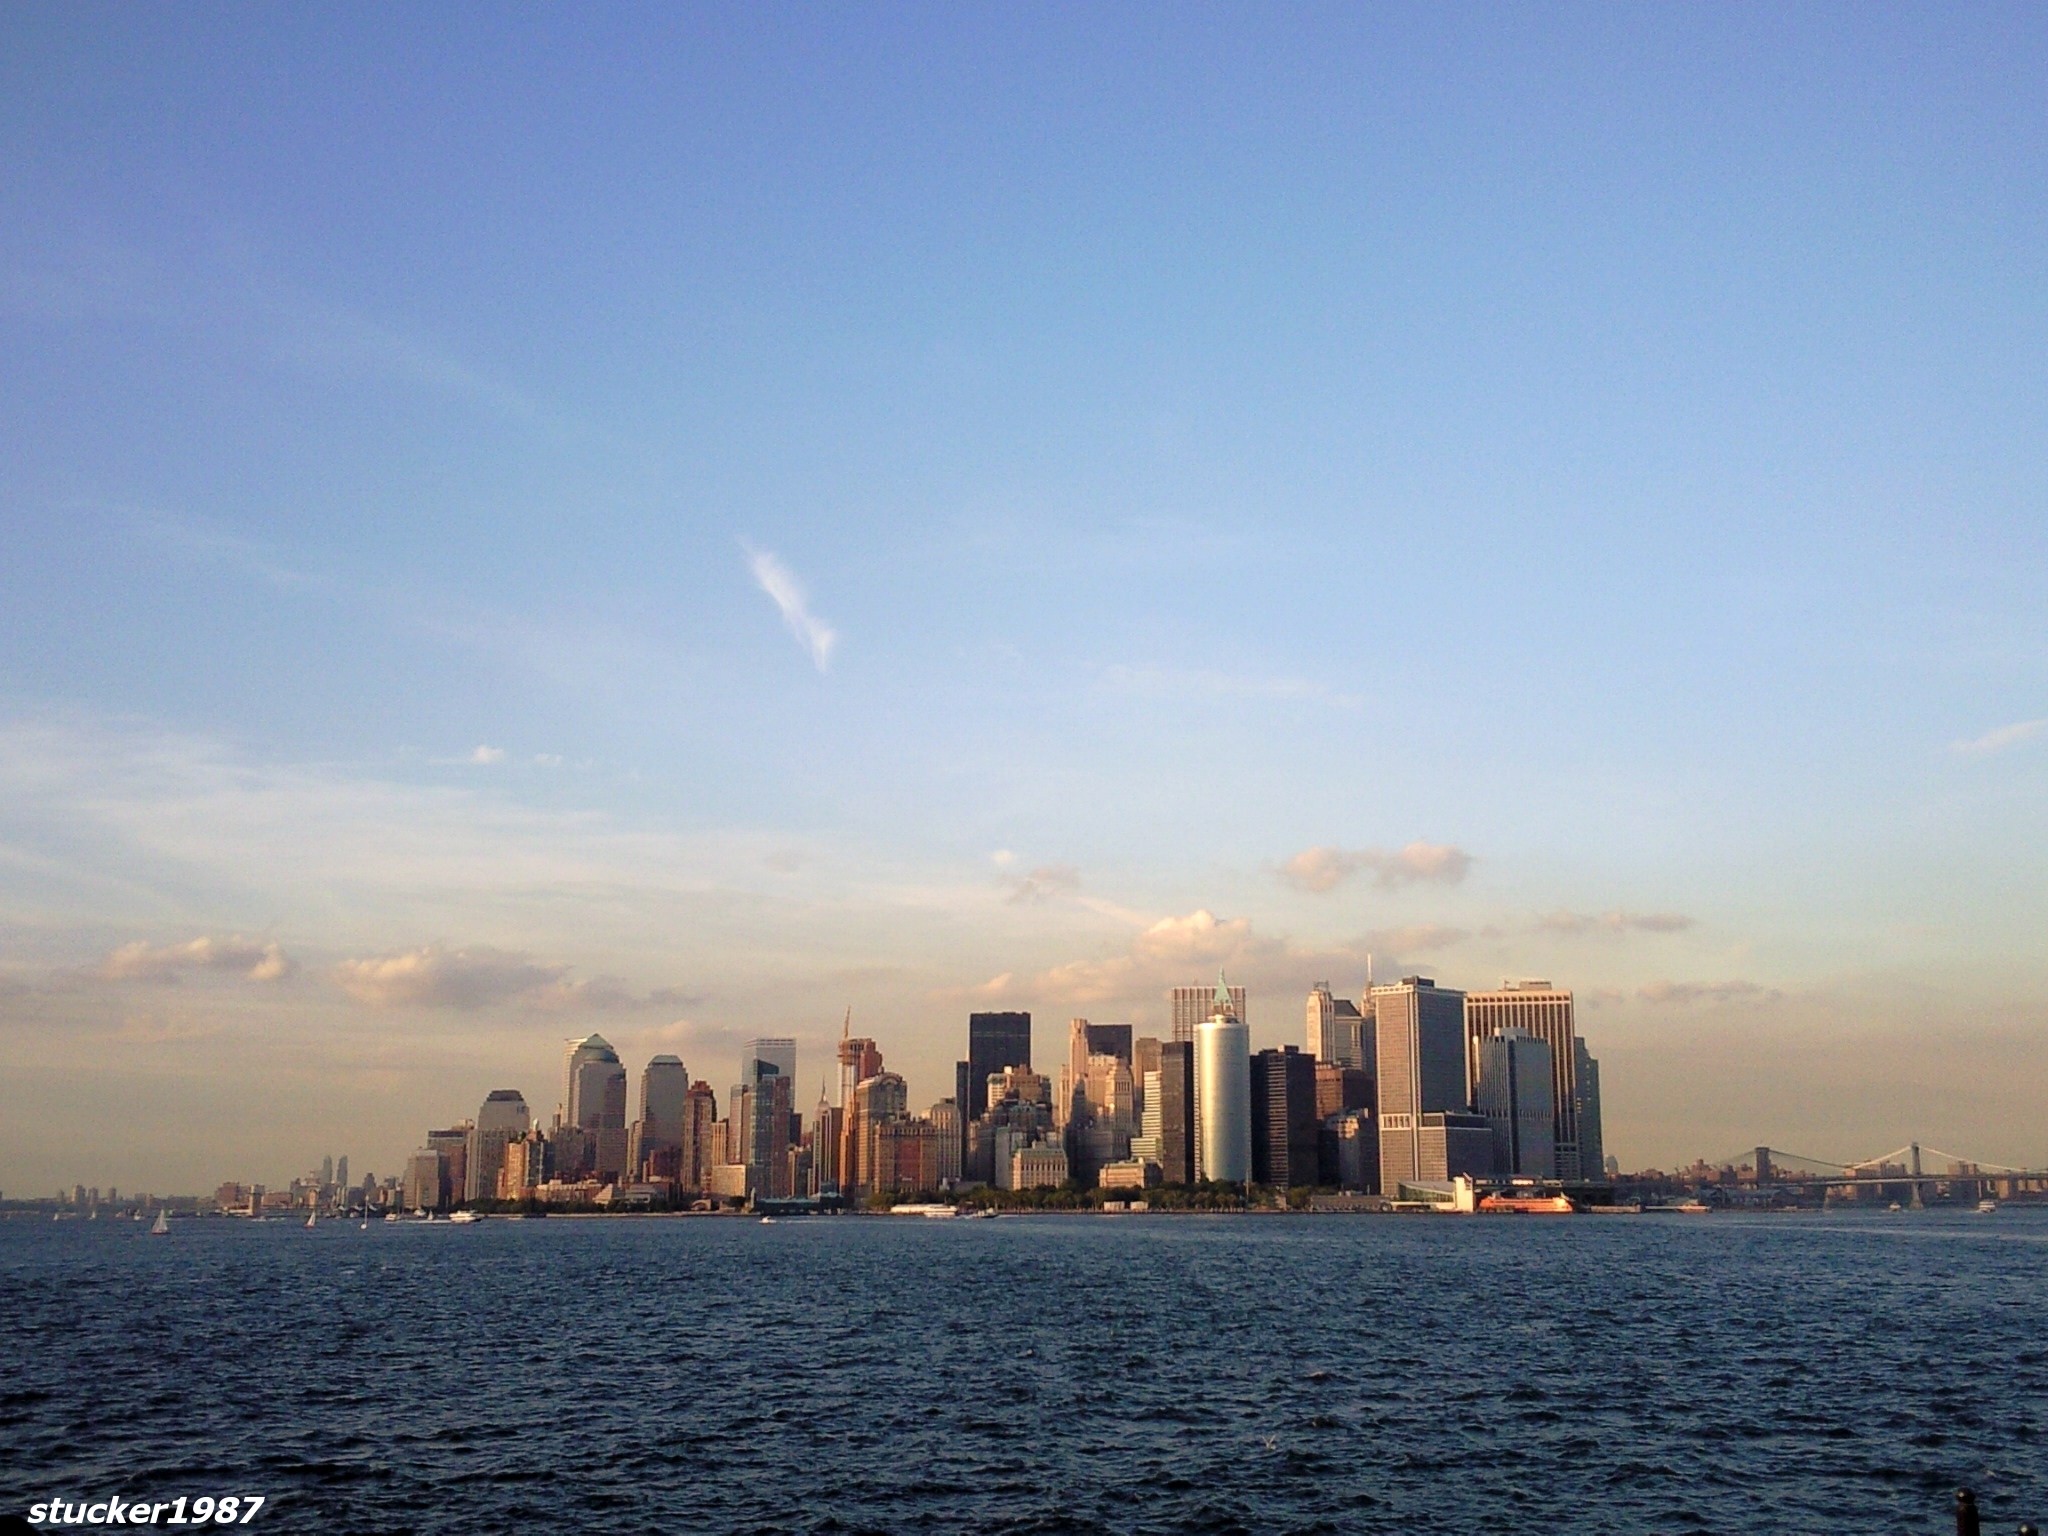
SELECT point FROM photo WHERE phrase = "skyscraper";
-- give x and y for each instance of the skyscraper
(763, 1110)
(1545, 1012)
(664, 1090)
(503, 1118)
(1192, 1005)
(1176, 1091)
(1419, 1042)
(1223, 1123)
(1335, 1028)
(1284, 1122)
(779, 1049)
(994, 1041)
(1515, 1091)
(596, 1104)
(1593, 1159)
(341, 1171)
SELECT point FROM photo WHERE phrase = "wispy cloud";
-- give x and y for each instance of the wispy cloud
(1999, 740)
(252, 959)
(1322, 869)
(781, 585)
(1612, 922)
(1176, 683)
(1045, 881)
(1684, 993)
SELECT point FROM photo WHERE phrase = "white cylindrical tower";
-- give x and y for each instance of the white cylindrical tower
(1223, 1085)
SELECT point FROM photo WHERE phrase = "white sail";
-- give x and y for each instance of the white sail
(162, 1225)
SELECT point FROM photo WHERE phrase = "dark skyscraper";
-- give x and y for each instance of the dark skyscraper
(994, 1041)
(1109, 1040)
(1176, 1112)
(1284, 1122)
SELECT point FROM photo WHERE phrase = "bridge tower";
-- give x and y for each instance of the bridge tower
(1913, 1162)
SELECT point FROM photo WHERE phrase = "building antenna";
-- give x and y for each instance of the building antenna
(1368, 973)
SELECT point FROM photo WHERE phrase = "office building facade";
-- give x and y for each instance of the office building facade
(1515, 1096)
(1284, 1121)
(994, 1041)
(1539, 1009)
(1419, 1041)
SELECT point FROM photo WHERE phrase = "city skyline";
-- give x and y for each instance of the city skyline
(942, 512)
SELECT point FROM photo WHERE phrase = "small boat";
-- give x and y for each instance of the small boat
(1986, 1207)
(366, 1226)
(162, 1226)
(463, 1218)
(767, 1221)
(391, 1215)
(1895, 1206)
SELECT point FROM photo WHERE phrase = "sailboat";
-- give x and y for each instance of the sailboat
(311, 1217)
(163, 1225)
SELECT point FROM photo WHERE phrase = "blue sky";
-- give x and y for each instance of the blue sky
(1596, 449)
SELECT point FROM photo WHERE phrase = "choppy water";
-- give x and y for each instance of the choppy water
(1043, 1374)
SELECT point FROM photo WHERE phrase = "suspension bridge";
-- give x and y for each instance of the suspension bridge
(1913, 1171)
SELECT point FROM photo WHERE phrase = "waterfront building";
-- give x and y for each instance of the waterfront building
(527, 1164)
(994, 1041)
(1515, 1096)
(502, 1119)
(763, 1113)
(1448, 1144)
(1593, 1158)
(1285, 1130)
(1137, 1173)
(946, 1116)
(700, 1141)
(1350, 1152)
(595, 1101)
(1336, 1029)
(422, 1183)
(907, 1156)
(1043, 1166)
(1193, 1005)
(1176, 1121)
(1546, 1012)
(1418, 1031)
(876, 1101)
(452, 1144)
(1223, 1116)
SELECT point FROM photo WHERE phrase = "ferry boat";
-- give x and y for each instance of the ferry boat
(1986, 1207)
(1527, 1205)
(464, 1218)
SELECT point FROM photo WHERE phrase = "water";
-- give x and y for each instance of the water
(1040, 1374)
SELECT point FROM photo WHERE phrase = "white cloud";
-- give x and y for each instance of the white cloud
(1002, 858)
(776, 579)
(1997, 741)
(252, 959)
(434, 977)
(1324, 868)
